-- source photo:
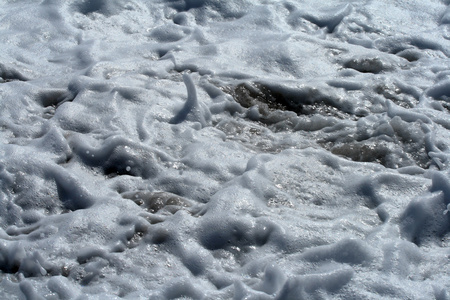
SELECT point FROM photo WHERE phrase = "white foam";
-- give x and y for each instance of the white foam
(224, 149)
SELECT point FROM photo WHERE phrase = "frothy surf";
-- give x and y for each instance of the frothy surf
(218, 150)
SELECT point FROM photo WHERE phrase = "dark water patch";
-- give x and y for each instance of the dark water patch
(156, 201)
(397, 95)
(393, 143)
(51, 99)
(8, 74)
(15, 259)
(363, 152)
(87, 7)
(325, 109)
(134, 236)
(211, 9)
(391, 154)
(251, 94)
(120, 163)
(116, 157)
(304, 101)
(91, 261)
(445, 105)
(54, 97)
(235, 237)
(70, 192)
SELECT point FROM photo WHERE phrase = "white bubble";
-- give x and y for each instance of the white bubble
(128, 168)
